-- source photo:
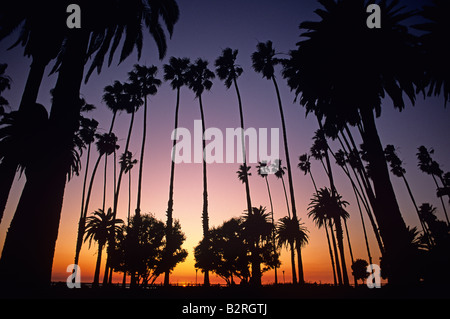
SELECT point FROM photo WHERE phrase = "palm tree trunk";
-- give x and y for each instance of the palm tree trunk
(169, 252)
(273, 224)
(349, 247)
(97, 266)
(241, 115)
(107, 276)
(141, 163)
(442, 200)
(336, 254)
(205, 218)
(294, 271)
(392, 226)
(8, 166)
(289, 170)
(339, 237)
(333, 266)
(31, 238)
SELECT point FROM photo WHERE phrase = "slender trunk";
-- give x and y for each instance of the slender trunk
(392, 226)
(289, 170)
(97, 265)
(294, 271)
(333, 266)
(369, 255)
(8, 169)
(169, 252)
(141, 163)
(286, 197)
(336, 254)
(349, 247)
(205, 218)
(107, 276)
(32, 235)
(105, 174)
(273, 225)
(241, 115)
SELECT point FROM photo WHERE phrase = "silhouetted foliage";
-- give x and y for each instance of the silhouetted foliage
(140, 249)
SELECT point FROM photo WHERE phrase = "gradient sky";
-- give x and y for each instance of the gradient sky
(205, 28)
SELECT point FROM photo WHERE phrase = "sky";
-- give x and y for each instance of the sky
(204, 29)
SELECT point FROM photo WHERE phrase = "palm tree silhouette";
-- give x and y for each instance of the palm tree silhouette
(176, 72)
(257, 228)
(398, 170)
(118, 18)
(328, 94)
(291, 232)
(263, 171)
(145, 79)
(228, 71)
(106, 145)
(126, 164)
(199, 79)
(431, 167)
(325, 205)
(98, 228)
(264, 61)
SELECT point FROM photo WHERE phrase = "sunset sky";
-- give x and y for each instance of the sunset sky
(205, 28)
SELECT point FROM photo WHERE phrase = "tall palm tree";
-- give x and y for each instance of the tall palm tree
(263, 171)
(431, 167)
(145, 79)
(106, 145)
(176, 72)
(392, 50)
(264, 61)
(304, 165)
(324, 203)
(98, 228)
(199, 79)
(397, 169)
(63, 123)
(228, 71)
(291, 232)
(126, 164)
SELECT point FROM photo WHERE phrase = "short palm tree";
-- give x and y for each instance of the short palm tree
(199, 79)
(98, 228)
(257, 228)
(290, 232)
(325, 204)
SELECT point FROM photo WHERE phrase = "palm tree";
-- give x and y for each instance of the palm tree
(263, 171)
(291, 232)
(228, 71)
(264, 61)
(199, 79)
(106, 145)
(257, 228)
(435, 52)
(126, 164)
(304, 165)
(324, 203)
(63, 124)
(98, 228)
(145, 79)
(431, 167)
(328, 94)
(176, 72)
(279, 173)
(397, 169)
